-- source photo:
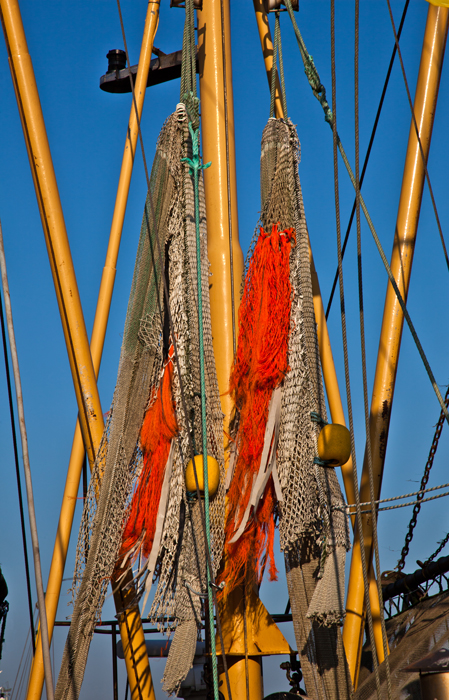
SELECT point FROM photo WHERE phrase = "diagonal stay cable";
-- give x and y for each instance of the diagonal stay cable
(172, 330)
(19, 485)
(368, 153)
(319, 91)
(363, 353)
(424, 161)
(27, 470)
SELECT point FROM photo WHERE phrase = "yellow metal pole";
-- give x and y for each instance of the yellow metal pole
(54, 227)
(390, 338)
(214, 137)
(327, 360)
(217, 146)
(267, 51)
(98, 334)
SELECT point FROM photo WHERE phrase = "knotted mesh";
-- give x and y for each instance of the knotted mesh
(314, 536)
(168, 216)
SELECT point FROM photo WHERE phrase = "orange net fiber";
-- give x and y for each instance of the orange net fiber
(158, 429)
(260, 365)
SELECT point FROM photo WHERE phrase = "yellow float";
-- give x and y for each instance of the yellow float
(213, 475)
(334, 444)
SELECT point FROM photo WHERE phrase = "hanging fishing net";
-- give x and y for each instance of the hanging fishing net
(137, 509)
(413, 634)
(277, 387)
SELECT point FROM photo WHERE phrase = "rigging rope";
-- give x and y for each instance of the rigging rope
(277, 49)
(363, 351)
(16, 461)
(320, 93)
(333, 123)
(195, 167)
(368, 153)
(27, 469)
(424, 162)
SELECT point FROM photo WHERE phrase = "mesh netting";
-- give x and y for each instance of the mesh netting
(310, 529)
(411, 635)
(169, 216)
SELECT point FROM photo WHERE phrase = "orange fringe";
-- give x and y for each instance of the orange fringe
(158, 429)
(259, 367)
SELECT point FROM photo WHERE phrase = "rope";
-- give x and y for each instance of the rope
(277, 49)
(345, 344)
(401, 505)
(19, 485)
(396, 39)
(320, 92)
(26, 465)
(281, 66)
(195, 167)
(274, 67)
(363, 351)
(176, 355)
(399, 498)
(368, 153)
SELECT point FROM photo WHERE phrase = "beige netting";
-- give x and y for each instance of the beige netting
(313, 535)
(170, 217)
(411, 635)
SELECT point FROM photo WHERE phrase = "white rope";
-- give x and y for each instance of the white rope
(406, 495)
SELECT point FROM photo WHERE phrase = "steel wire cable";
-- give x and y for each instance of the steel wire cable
(16, 461)
(345, 345)
(368, 152)
(424, 161)
(363, 351)
(320, 93)
(176, 355)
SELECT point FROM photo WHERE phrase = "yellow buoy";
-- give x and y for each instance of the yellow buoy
(213, 475)
(334, 444)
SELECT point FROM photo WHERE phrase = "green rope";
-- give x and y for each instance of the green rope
(195, 167)
(320, 93)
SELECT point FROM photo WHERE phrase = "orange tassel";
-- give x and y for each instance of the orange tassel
(260, 366)
(158, 429)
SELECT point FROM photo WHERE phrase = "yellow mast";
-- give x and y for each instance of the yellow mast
(391, 331)
(83, 372)
(241, 614)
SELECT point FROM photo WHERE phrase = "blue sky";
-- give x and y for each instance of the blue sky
(68, 43)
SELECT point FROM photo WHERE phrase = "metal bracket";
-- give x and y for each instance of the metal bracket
(197, 4)
(275, 5)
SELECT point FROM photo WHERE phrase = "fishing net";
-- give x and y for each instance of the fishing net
(413, 634)
(313, 531)
(167, 246)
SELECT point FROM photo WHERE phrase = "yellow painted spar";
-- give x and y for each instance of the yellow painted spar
(392, 323)
(53, 224)
(215, 149)
(267, 51)
(216, 187)
(71, 314)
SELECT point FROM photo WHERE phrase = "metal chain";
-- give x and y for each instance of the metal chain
(424, 480)
(443, 543)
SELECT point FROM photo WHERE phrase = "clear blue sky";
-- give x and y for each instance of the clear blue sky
(68, 43)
